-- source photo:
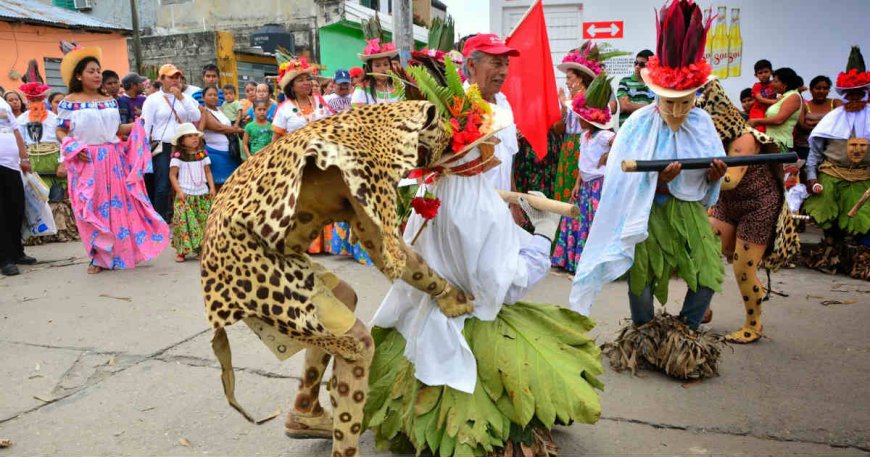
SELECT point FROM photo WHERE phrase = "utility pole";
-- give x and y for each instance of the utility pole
(403, 29)
(137, 43)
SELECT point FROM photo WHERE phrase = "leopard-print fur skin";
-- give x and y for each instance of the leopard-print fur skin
(254, 261)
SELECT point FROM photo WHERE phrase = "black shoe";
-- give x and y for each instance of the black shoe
(25, 260)
(9, 269)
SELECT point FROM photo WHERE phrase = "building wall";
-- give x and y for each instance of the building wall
(769, 29)
(188, 51)
(181, 16)
(21, 42)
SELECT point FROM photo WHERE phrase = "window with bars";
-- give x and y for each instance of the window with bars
(52, 75)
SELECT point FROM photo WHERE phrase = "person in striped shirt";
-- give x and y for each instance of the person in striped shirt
(632, 93)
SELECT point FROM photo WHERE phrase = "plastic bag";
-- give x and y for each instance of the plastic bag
(38, 220)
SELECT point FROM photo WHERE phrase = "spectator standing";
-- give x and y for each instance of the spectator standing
(250, 97)
(357, 77)
(812, 112)
(53, 100)
(264, 92)
(163, 111)
(339, 101)
(188, 89)
(258, 133)
(219, 131)
(133, 98)
(190, 173)
(210, 77)
(13, 161)
(15, 102)
(112, 88)
(746, 102)
(153, 87)
(781, 117)
(117, 225)
(633, 94)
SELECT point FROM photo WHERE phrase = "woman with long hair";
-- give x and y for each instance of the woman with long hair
(812, 112)
(116, 222)
(15, 101)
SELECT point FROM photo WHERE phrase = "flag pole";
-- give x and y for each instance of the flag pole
(528, 11)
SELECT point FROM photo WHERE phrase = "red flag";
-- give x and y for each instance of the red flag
(531, 84)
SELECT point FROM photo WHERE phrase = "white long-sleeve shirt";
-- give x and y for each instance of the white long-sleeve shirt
(160, 123)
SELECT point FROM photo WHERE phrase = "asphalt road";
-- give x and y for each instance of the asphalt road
(120, 364)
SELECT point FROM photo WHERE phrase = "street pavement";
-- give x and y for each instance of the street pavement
(120, 364)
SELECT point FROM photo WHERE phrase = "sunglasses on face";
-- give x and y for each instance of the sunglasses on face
(639, 63)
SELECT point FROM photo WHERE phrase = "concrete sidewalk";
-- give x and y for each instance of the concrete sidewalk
(120, 364)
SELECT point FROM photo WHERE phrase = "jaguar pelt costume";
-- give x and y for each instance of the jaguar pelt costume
(254, 263)
(751, 217)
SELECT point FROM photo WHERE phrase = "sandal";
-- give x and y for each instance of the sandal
(308, 427)
(708, 316)
(179, 258)
(94, 269)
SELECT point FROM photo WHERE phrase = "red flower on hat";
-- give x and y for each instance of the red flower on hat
(690, 76)
(426, 207)
(375, 47)
(590, 114)
(853, 78)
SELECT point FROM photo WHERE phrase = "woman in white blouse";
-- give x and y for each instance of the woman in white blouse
(163, 111)
(116, 221)
(301, 106)
(216, 125)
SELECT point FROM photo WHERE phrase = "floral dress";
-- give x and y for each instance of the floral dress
(191, 212)
(116, 221)
(566, 171)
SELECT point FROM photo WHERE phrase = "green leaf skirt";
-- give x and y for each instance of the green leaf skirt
(536, 367)
(834, 203)
(681, 241)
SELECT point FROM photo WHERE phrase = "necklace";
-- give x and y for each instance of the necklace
(307, 114)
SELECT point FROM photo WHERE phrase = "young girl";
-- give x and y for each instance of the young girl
(258, 134)
(595, 120)
(191, 178)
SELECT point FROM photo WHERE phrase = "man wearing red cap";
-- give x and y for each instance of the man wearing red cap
(486, 64)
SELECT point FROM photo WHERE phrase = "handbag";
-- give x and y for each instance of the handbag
(235, 147)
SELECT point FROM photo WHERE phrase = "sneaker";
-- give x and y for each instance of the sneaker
(9, 269)
(25, 260)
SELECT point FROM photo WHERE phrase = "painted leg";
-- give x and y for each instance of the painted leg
(727, 234)
(746, 259)
(308, 419)
(348, 391)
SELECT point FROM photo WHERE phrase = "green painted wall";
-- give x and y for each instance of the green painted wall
(339, 45)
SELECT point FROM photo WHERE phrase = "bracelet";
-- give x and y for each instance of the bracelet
(24, 159)
(443, 292)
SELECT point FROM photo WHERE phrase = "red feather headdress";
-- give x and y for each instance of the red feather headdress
(681, 34)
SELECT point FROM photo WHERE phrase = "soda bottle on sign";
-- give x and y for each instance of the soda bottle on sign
(720, 45)
(708, 48)
(735, 44)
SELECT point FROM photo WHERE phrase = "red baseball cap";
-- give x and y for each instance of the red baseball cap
(489, 43)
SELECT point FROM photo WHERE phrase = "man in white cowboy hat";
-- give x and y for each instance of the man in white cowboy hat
(838, 166)
(641, 216)
(486, 63)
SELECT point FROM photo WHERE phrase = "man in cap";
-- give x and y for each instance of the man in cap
(486, 64)
(339, 101)
(163, 111)
(133, 98)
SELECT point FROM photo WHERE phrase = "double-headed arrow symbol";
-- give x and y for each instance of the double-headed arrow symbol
(613, 29)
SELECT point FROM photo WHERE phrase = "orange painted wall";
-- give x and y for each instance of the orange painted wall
(21, 42)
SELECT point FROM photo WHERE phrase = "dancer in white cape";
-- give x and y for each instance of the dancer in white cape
(506, 365)
(652, 225)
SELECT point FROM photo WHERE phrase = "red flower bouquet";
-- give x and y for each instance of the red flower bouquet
(426, 207)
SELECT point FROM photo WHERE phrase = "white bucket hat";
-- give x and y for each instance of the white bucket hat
(185, 129)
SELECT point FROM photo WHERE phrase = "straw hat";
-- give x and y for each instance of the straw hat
(375, 50)
(73, 54)
(291, 69)
(185, 129)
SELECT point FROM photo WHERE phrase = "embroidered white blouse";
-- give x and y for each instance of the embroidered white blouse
(90, 123)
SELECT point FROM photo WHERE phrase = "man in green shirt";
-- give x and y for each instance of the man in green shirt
(632, 93)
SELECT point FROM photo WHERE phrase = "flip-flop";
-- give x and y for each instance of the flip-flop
(179, 258)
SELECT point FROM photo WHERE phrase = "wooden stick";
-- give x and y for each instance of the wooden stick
(698, 164)
(541, 203)
(854, 211)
